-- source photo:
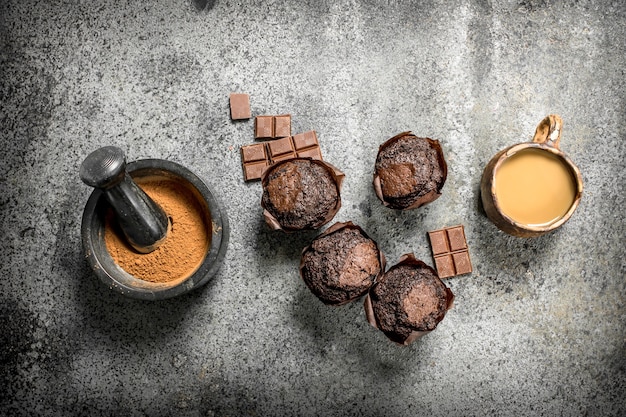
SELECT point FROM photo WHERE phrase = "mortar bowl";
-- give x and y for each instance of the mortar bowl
(111, 274)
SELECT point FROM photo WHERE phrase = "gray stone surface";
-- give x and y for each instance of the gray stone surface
(539, 328)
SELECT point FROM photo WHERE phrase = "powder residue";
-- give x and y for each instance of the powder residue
(185, 245)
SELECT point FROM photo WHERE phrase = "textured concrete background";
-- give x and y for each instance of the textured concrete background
(539, 328)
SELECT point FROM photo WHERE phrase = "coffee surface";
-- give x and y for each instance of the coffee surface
(534, 187)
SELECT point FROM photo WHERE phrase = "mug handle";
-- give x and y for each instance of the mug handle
(549, 131)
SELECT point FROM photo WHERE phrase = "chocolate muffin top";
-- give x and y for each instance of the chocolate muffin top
(409, 298)
(409, 171)
(341, 265)
(300, 194)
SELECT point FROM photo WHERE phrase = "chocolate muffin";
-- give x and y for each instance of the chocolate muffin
(408, 301)
(409, 171)
(341, 264)
(300, 193)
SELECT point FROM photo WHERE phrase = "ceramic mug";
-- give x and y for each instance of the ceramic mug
(532, 188)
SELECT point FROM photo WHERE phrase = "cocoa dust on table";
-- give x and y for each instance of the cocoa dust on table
(185, 245)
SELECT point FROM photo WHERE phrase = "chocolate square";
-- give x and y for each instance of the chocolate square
(254, 152)
(281, 149)
(254, 159)
(456, 236)
(462, 263)
(310, 153)
(305, 140)
(450, 251)
(445, 266)
(264, 127)
(254, 171)
(282, 126)
(307, 145)
(438, 242)
(239, 106)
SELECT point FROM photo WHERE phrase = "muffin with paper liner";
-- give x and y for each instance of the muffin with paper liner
(300, 194)
(408, 301)
(341, 264)
(409, 171)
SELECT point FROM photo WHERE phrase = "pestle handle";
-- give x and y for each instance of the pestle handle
(143, 221)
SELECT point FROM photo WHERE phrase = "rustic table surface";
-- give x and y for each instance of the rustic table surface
(538, 328)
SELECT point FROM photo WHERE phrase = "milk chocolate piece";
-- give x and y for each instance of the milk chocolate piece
(282, 126)
(272, 127)
(256, 157)
(445, 266)
(305, 140)
(254, 160)
(281, 149)
(264, 127)
(408, 301)
(239, 106)
(310, 153)
(450, 251)
(307, 145)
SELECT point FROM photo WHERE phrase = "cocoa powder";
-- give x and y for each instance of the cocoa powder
(185, 245)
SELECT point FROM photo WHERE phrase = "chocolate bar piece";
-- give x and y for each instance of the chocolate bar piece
(281, 149)
(264, 127)
(450, 251)
(307, 145)
(254, 160)
(272, 127)
(256, 157)
(282, 126)
(239, 106)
